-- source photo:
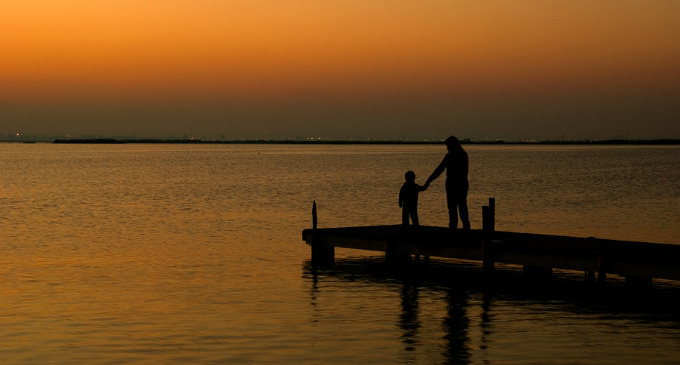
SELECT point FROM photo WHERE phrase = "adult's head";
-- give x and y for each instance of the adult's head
(452, 143)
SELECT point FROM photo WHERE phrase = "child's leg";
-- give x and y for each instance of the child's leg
(404, 217)
(414, 217)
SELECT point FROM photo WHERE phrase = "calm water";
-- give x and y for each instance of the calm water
(193, 254)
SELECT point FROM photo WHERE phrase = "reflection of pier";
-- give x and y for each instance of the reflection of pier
(447, 335)
(448, 312)
(638, 262)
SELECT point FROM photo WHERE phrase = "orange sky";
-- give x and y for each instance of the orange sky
(205, 53)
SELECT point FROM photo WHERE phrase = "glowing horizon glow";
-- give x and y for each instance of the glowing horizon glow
(92, 54)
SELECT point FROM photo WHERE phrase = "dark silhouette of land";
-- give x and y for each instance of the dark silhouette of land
(363, 141)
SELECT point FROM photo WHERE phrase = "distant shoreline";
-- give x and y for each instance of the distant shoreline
(366, 142)
(347, 142)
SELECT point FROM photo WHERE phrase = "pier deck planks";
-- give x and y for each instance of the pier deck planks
(626, 258)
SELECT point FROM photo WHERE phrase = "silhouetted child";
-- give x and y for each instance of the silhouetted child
(408, 199)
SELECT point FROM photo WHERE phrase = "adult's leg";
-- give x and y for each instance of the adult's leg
(462, 206)
(452, 204)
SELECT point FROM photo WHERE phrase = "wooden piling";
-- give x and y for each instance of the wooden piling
(589, 276)
(601, 270)
(395, 255)
(488, 255)
(492, 210)
(321, 254)
(314, 220)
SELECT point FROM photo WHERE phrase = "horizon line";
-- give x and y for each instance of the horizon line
(664, 141)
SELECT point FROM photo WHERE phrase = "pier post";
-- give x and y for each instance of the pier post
(488, 255)
(321, 254)
(394, 255)
(314, 220)
(589, 276)
(492, 210)
(601, 270)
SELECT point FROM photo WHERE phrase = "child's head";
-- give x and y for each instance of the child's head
(410, 176)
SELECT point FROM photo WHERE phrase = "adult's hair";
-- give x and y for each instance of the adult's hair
(452, 142)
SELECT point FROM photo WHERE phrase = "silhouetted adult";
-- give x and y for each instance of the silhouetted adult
(456, 165)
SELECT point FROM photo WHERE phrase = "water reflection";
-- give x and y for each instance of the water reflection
(408, 319)
(447, 313)
(454, 342)
(485, 324)
(456, 325)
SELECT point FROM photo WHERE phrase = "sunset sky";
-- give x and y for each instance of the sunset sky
(573, 69)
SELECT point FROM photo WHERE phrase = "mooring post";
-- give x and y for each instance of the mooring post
(487, 244)
(589, 276)
(601, 270)
(492, 210)
(321, 254)
(314, 220)
(394, 254)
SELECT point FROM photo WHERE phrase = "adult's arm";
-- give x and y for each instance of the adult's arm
(438, 171)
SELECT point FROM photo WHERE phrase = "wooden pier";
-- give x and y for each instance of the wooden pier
(638, 262)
